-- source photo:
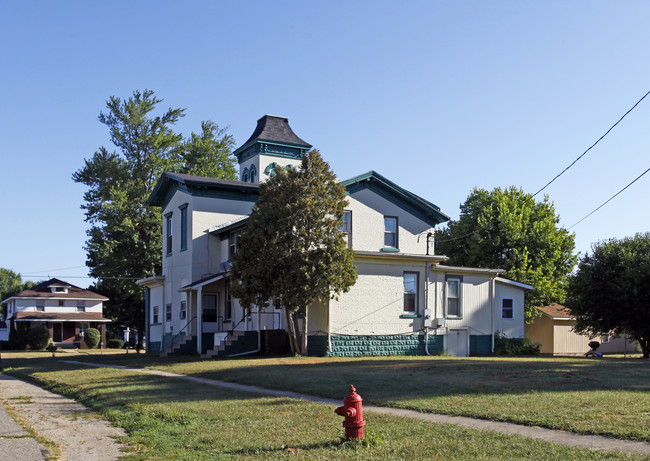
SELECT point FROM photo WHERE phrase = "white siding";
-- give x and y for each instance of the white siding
(513, 328)
(368, 211)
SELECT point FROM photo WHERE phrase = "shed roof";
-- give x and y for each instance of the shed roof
(556, 312)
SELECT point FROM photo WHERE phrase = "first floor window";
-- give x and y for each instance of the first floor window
(507, 308)
(410, 292)
(453, 298)
(183, 310)
(168, 312)
(154, 316)
(227, 314)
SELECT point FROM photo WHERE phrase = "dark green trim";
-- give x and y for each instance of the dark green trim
(408, 201)
(357, 345)
(147, 307)
(271, 148)
(390, 250)
(480, 345)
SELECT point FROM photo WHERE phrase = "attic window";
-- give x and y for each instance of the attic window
(59, 289)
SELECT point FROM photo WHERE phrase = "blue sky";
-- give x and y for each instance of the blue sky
(438, 96)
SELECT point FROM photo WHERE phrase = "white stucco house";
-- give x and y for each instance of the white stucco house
(66, 310)
(405, 301)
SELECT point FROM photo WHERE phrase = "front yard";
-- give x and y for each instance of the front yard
(169, 418)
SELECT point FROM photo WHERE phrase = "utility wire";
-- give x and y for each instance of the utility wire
(593, 145)
(610, 199)
(562, 172)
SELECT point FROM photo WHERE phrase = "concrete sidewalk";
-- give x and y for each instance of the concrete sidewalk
(15, 442)
(595, 442)
(80, 435)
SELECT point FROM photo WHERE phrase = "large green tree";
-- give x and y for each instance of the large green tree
(10, 283)
(125, 240)
(507, 229)
(610, 292)
(292, 248)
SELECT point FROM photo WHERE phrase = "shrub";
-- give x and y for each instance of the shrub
(116, 343)
(92, 337)
(38, 338)
(514, 346)
(5, 345)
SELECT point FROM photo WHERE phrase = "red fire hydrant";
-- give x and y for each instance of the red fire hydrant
(352, 410)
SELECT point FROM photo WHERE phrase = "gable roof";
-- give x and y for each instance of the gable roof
(42, 290)
(414, 204)
(275, 129)
(556, 312)
(168, 183)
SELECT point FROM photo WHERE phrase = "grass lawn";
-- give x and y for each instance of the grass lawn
(173, 419)
(594, 396)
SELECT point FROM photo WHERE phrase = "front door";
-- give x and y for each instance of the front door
(457, 343)
(57, 334)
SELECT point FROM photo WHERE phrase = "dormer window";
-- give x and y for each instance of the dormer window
(58, 289)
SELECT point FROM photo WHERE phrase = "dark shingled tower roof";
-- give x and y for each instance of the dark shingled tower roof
(274, 129)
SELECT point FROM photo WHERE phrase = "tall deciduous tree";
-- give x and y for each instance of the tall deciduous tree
(610, 292)
(10, 283)
(292, 248)
(508, 229)
(125, 238)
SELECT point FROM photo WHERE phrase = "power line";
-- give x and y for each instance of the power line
(593, 145)
(562, 172)
(610, 199)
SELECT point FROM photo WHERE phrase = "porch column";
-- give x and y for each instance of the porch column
(199, 319)
(102, 329)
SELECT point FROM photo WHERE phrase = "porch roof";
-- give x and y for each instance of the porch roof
(60, 317)
(208, 279)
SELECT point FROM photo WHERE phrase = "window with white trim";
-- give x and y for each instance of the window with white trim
(346, 226)
(168, 230)
(183, 209)
(154, 315)
(183, 313)
(81, 306)
(40, 306)
(168, 312)
(411, 292)
(390, 232)
(453, 298)
(507, 308)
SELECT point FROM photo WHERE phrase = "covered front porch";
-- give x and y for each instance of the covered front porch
(66, 329)
(217, 324)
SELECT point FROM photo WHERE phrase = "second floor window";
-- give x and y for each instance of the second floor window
(232, 243)
(168, 312)
(40, 306)
(154, 316)
(346, 226)
(184, 227)
(168, 230)
(183, 313)
(81, 306)
(390, 232)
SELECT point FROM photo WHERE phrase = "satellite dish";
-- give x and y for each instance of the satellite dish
(224, 266)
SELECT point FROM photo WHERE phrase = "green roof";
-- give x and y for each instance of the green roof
(414, 204)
